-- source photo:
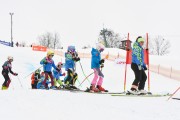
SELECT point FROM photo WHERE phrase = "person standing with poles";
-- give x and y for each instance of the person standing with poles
(5, 72)
(138, 66)
(71, 57)
(48, 63)
(96, 64)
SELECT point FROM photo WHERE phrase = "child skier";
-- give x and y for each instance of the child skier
(139, 67)
(35, 78)
(96, 64)
(57, 74)
(5, 72)
(71, 57)
(48, 63)
(40, 82)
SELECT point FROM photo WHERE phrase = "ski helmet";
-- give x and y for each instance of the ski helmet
(71, 48)
(38, 71)
(50, 52)
(60, 63)
(42, 74)
(100, 47)
(140, 39)
(10, 58)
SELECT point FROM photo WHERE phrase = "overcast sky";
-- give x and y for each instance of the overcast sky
(79, 21)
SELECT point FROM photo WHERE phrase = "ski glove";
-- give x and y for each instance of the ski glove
(144, 67)
(101, 61)
(45, 62)
(16, 74)
(102, 65)
(77, 59)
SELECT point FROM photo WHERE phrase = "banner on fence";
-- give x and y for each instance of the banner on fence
(39, 48)
(5, 43)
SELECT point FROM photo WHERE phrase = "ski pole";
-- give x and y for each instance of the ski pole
(83, 72)
(32, 72)
(173, 94)
(19, 82)
(78, 82)
(85, 79)
(11, 83)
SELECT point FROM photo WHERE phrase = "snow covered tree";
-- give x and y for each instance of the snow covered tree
(110, 38)
(159, 46)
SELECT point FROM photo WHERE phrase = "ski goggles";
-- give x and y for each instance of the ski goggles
(51, 55)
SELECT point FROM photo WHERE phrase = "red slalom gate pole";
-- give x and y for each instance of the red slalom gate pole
(173, 94)
(147, 48)
(127, 54)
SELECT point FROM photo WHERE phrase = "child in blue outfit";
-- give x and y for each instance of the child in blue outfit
(138, 66)
(48, 63)
(71, 57)
(57, 75)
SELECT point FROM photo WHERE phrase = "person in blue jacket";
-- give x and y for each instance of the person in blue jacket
(48, 63)
(40, 82)
(96, 64)
(138, 66)
(57, 75)
(71, 57)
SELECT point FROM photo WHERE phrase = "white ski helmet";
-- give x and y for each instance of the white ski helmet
(10, 58)
(100, 47)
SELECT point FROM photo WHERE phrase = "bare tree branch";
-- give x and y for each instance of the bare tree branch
(159, 46)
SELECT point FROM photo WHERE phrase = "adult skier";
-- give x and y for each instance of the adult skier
(138, 66)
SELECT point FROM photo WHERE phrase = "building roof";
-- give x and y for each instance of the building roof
(126, 40)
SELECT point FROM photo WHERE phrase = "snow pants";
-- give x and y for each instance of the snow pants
(140, 77)
(48, 74)
(97, 73)
(71, 77)
(7, 79)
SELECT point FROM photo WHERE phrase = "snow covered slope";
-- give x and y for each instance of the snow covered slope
(25, 104)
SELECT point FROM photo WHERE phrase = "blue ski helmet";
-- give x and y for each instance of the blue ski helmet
(71, 48)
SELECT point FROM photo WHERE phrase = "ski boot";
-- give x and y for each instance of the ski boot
(53, 87)
(133, 91)
(4, 87)
(143, 92)
(73, 87)
(67, 87)
(93, 89)
(101, 89)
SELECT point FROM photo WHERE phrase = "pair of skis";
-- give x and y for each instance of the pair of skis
(122, 94)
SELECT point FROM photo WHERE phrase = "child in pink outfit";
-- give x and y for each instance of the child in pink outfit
(96, 64)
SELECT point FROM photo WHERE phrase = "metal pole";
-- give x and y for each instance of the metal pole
(11, 29)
